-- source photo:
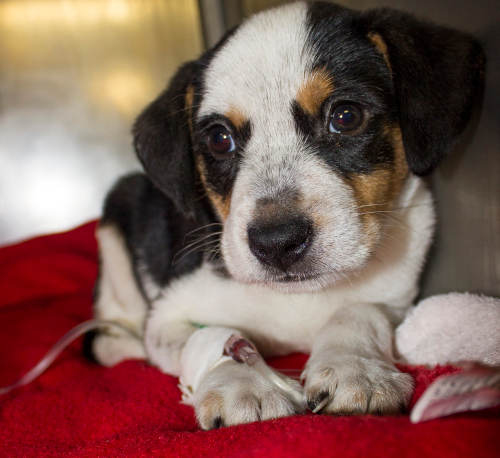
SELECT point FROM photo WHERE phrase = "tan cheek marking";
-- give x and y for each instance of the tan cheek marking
(378, 191)
(400, 165)
(236, 117)
(370, 192)
(188, 102)
(380, 44)
(372, 188)
(221, 204)
(383, 185)
(314, 91)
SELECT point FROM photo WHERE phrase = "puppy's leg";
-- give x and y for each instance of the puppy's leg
(117, 299)
(350, 370)
(222, 390)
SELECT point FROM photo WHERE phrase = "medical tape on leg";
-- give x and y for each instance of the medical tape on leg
(207, 348)
(203, 352)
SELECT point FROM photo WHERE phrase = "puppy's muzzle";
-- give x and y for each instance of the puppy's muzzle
(280, 243)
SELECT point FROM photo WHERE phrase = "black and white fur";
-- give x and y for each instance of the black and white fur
(340, 299)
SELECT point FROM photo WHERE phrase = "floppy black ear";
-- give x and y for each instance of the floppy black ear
(162, 141)
(438, 79)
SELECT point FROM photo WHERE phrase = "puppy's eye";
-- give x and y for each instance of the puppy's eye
(345, 118)
(220, 142)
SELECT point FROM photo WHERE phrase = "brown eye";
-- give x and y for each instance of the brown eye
(345, 117)
(220, 142)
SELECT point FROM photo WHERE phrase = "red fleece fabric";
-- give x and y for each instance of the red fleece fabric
(77, 408)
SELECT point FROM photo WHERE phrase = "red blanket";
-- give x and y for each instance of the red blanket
(78, 408)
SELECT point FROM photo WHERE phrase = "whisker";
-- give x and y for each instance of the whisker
(376, 212)
(200, 239)
(197, 241)
(193, 250)
(201, 228)
(371, 205)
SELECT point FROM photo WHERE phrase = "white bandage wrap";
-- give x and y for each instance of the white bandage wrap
(203, 351)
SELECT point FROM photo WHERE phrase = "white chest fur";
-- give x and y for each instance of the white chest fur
(281, 322)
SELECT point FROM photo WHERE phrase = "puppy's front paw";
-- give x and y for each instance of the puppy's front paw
(234, 393)
(350, 385)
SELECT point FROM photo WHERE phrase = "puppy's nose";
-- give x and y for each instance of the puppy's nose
(280, 244)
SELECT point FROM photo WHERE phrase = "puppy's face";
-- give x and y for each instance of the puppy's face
(299, 135)
(298, 146)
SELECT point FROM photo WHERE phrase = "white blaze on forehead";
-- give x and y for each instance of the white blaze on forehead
(260, 69)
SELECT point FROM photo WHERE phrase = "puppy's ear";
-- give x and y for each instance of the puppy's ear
(162, 140)
(438, 79)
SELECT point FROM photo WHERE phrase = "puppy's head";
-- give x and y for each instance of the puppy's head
(301, 126)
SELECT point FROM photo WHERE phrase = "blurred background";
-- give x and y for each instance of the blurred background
(75, 73)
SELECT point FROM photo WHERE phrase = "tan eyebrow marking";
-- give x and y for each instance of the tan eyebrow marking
(237, 118)
(317, 87)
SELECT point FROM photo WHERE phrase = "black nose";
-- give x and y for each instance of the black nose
(280, 244)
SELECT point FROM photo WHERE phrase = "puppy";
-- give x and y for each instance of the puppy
(283, 205)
